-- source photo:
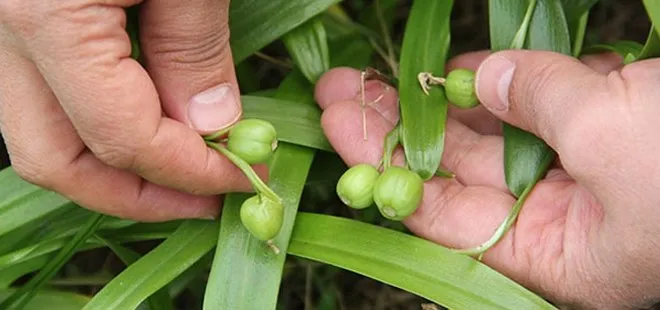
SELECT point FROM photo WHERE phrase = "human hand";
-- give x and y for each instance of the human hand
(587, 234)
(82, 118)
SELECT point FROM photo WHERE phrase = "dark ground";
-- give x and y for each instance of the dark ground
(610, 20)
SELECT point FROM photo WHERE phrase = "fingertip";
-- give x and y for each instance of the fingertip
(338, 84)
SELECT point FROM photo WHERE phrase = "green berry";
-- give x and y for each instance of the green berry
(459, 86)
(262, 217)
(253, 140)
(356, 186)
(398, 192)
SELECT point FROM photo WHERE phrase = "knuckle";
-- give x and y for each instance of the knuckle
(199, 52)
(118, 155)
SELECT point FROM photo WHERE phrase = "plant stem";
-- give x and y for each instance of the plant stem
(513, 214)
(217, 134)
(259, 186)
(391, 141)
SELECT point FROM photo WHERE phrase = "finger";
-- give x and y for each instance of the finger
(342, 84)
(604, 62)
(46, 150)
(484, 122)
(538, 91)
(115, 107)
(189, 59)
(475, 159)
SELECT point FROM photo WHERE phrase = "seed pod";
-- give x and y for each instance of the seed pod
(398, 192)
(356, 186)
(253, 140)
(459, 86)
(262, 217)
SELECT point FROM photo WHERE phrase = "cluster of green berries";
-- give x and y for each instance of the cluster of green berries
(397, 191)
(254, 141)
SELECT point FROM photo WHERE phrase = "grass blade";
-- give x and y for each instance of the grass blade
(408, 262)
(23, 295)
(308, 47)
(22, 203)
(240, 255)
(51, 300)
(160, 300)
(255, 23)
(189, 243)
(425, 47)
(524, 153)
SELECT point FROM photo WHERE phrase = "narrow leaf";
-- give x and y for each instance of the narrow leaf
(160, 300)
(243, 259)
(22, 202)
(408, 262)
(51, 300)
(255, 23)
(308, 47)
(653, 10)
(425, 47)
(525, 153)
(24, 294)
(189, 243)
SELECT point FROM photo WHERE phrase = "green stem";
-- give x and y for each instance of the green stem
(444, 173)
(391, 141)
(217, 134)
(519, 39)
(259, 186)
(513, 214)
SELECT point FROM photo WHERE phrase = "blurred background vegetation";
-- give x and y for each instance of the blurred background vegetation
(308, 285)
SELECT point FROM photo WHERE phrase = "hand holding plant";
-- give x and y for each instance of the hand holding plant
(587, 234)
(82, 118)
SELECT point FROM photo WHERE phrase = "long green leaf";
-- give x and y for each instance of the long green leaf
(653, 10)
(241, 258)
(308, 47)
(524, 153)
(24, 294)
(189, 243)
(160, 300)
(22, 202)
(51, 300)
(574, 9)
(425, 46)
(408, 262)
(256, 23)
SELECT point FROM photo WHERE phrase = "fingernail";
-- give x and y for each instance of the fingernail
(493, 81)
(214, 109)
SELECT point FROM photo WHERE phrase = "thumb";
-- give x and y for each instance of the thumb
(537, 91)
(186, 51)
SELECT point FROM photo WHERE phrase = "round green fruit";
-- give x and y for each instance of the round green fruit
(262, 217)
(356, 186)
(253, 140)
(398, 192)
(460, 90)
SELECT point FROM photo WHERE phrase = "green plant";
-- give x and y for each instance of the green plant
(40, 231)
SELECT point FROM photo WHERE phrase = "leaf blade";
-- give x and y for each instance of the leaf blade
(408, 262)
(423, 117)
